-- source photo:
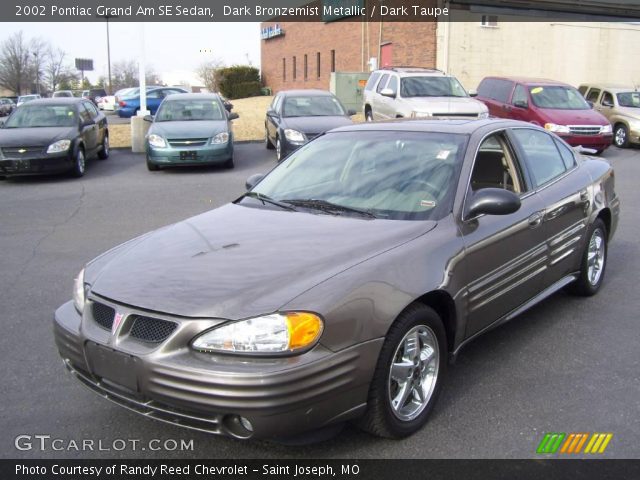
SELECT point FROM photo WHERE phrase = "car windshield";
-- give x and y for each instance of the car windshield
(184, 110)
(431, 87)
(558, 96)
(312, 106)
(26, 98)
(42, 116)
(629, 99)
(389, 175)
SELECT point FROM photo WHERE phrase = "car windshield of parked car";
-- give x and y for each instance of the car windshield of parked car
(42, 116)
(389, 175)
(431, 87)
(629, 99)
(312, 106)
(558, 96)
(189, 110)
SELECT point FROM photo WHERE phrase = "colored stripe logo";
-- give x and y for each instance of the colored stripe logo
(574, 443)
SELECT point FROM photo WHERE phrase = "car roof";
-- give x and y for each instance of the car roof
(531, 81)
(465, 127)
(612, 87)
(57, 101)
(193, 96)
(414, 71)
(311, 92)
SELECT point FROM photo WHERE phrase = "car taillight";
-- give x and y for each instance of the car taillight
(123, 103)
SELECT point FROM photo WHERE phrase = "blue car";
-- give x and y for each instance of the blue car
(128, 106)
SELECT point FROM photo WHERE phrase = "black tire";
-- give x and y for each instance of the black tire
(103, 154)
(381, 417)
(278, 149)
(368, 115)
(621, 136)
(79, 163)
(267, 142)
(152, 167)
(586, 285)
(229, 163)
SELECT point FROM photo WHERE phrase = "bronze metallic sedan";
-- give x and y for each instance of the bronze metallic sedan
(338, 287)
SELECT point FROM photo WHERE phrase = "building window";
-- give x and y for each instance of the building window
(294, 74)
(306, 72)
(318, 64)
(333, 61)
(284, 69)
(489, 21)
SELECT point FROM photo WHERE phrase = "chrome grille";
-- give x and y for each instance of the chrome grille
(152, 330)
(584, 129)
(17, 153)
(103, 315)
(187, 142)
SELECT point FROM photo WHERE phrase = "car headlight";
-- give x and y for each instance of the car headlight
(59, 146)
(606, 129)
(294, 135)
(482, 115)
(157, 141)
(552, 127)
(415, 114)
(79, 292)
(222, 137)
(276, 333)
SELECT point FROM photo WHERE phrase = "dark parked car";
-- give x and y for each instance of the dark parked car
(52, 136)
(6, 106)
(337, 287)
(297, 116)
(129, 105)
(190, 129)
(556, 106)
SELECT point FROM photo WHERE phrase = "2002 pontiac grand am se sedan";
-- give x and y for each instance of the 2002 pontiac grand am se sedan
(338, 285)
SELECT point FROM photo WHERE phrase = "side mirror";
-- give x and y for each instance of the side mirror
(253, 180)
(520, 104)
(271, 113)
(148, 118)
(387, 92)
(233, 116)
(228, 106)
(473, 93)
(88, 123)
(607, 104)
(493, 201)
(351, 112)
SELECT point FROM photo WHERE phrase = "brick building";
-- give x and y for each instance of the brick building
(303, 54)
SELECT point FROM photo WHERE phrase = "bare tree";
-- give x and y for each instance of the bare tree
(38, 52)
(15, 64)
(207, 72)
(56, 70)
(126, 74)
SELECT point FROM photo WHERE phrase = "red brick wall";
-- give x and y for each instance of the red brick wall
(414, 43)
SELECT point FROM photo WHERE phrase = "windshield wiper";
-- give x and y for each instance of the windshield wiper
(266, 199)
(326, 206)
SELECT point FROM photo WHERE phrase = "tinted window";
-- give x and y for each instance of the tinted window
(372, 80)
(85, 114)
(92, 109)
(502, 90)
(540, 152)
(520, 96)
(593, 94)
(383, 82)
(485, 87)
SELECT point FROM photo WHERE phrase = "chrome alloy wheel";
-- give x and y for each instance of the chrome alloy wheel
(595, 256)
(620, 137)
(80, 162)
(413, 373)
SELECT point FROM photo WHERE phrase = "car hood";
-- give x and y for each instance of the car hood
(189, 129)
(573, 117)
(315, 125)
(444, 105)
(33, 137)
(237, 261)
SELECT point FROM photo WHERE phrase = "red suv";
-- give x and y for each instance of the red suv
(556, 106)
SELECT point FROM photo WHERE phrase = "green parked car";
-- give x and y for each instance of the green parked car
(190, 129)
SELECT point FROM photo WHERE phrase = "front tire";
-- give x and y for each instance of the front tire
(103, 154)
(409, 374)
(79, 164)
(278, 149)
(594, 261)
(621, 136)
(368, 116)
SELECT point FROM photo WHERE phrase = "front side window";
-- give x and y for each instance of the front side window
(431, 87)
(392, 175)
(629, 99)
(496, 167)
(382, 83)
(520, 97)
(607, 99)
(393, 84)
(559, 97)
(544, 161)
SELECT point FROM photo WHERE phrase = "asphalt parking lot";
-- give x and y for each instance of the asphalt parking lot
(568, 365)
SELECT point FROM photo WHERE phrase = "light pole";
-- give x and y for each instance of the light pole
(107, 17)
(35, 54)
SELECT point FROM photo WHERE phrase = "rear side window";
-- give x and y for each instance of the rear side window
(566, 153)
(383, 82)
(372, 81)
(502, 90)
(593, 95)
(541, 155)
(485, 87)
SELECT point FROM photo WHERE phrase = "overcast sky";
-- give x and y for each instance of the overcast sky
(170, 47)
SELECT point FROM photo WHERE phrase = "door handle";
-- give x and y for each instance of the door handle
(584, 195)
(535, 220)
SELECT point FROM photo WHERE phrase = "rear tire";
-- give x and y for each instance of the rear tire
(103, 154)
(594, 261)
(409, 374)
(79, 164)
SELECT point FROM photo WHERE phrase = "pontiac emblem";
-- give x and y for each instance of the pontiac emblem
(22, 150)
(117, 320)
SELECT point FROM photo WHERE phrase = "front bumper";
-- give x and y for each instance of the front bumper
(597, 142)
(170, 382)
(37, 165)
(205, 155)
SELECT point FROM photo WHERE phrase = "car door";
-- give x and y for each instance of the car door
(101, 121)
(563, 188)
(520, 103)
(389, 104)
(605, 104)
(272, 121)
(379, 101)
(504, 254)
(88, 128)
